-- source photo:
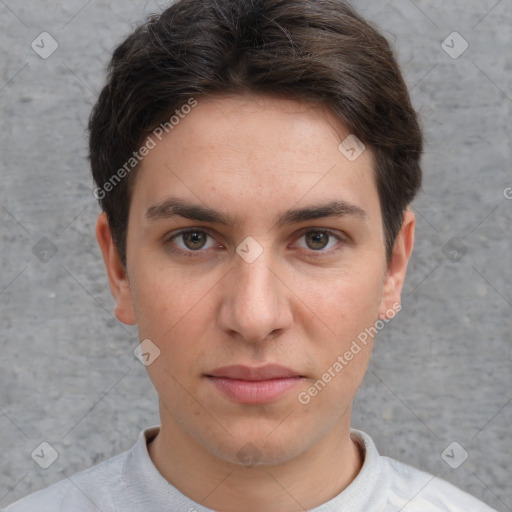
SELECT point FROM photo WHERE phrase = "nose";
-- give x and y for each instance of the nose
(256, 302)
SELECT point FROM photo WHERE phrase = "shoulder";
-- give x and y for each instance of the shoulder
(88, 490)
(419, 491)
(395, 486)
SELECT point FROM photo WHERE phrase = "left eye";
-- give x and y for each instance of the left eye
(193, 240)
(319, 240)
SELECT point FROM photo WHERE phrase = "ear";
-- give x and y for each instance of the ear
(117, 276)
(397, 266)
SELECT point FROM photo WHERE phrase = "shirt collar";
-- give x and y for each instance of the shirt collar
(144, 488)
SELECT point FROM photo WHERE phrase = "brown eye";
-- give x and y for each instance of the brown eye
(194, 240)
(317, 240)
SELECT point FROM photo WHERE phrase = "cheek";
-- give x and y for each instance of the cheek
(346, 312)
(175, 313)
(345, 302)
(341, 357)
(176, 323)
(164, 297)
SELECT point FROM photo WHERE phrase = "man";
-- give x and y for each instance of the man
(255, 161)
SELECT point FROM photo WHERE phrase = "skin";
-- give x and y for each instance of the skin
(254, 158)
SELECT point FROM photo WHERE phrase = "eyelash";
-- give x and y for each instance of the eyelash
(200, 252)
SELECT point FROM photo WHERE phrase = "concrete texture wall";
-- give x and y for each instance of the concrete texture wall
(441, 371)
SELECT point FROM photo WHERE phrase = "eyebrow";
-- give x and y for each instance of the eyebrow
(174, 206)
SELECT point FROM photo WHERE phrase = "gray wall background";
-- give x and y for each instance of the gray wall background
(441, 371)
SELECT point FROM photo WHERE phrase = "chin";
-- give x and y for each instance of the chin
(251, 450)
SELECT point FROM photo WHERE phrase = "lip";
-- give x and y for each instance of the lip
(254, 385)
(252, 373)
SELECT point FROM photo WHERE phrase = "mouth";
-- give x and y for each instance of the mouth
(254, 385)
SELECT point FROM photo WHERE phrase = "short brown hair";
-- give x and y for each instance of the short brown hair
(319, 51)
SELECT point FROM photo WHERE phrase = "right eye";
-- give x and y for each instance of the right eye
(190, 241)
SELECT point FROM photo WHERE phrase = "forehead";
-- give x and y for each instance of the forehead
(248, 152)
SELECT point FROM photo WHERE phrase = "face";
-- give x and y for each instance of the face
(254, 241)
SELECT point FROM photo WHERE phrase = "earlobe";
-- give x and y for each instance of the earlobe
(117, 276)
(397, 266)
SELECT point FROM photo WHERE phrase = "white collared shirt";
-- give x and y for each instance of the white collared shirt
(130, 482)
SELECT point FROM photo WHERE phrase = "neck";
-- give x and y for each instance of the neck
(301, 483)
